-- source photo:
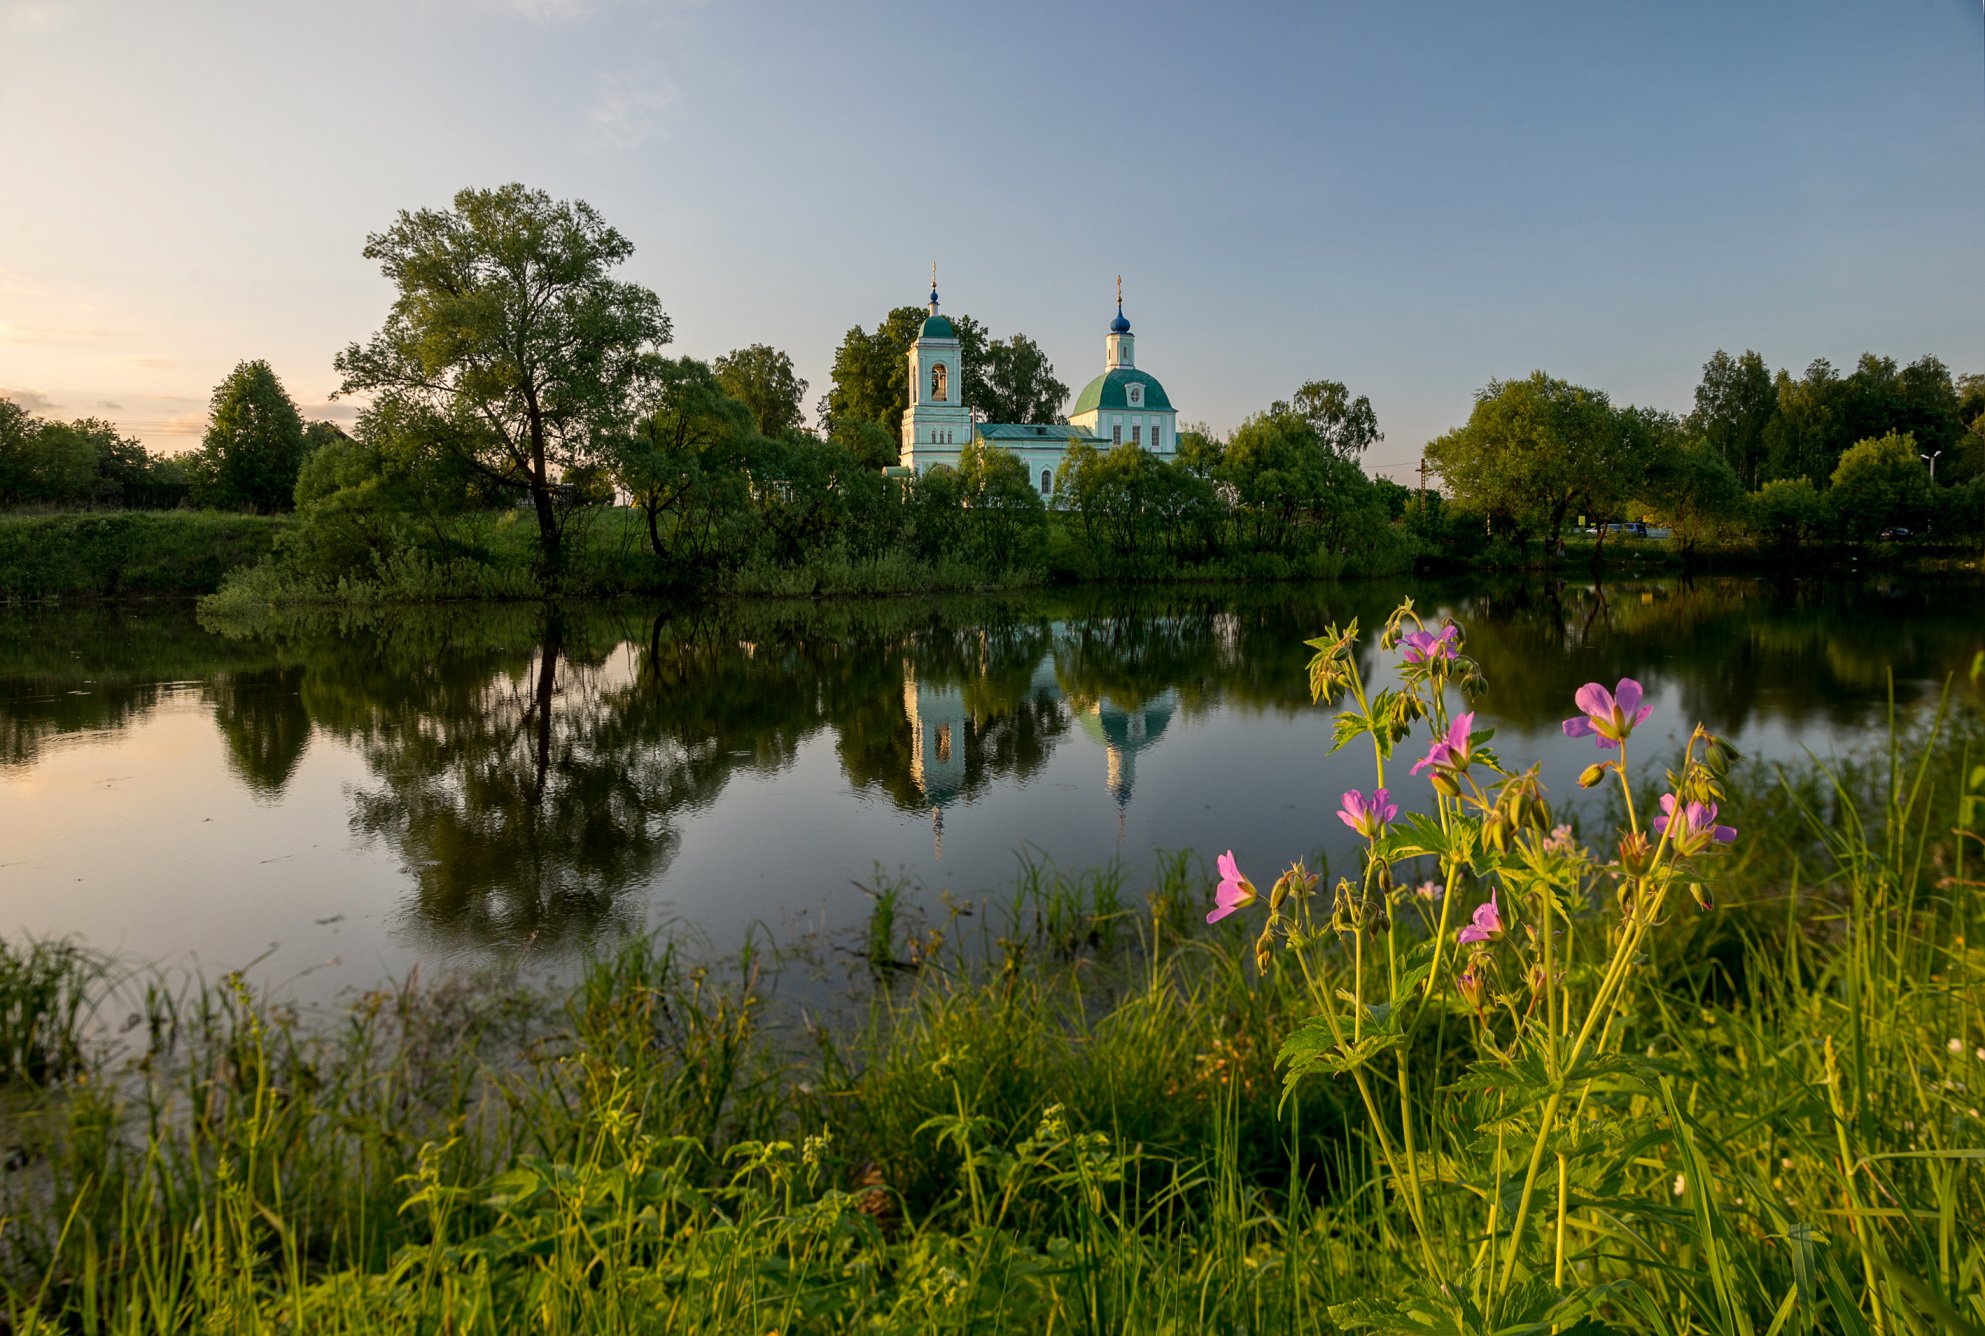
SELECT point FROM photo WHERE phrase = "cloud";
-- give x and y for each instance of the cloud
(342, 412)
(32, 400)
(627, 112)
(110, 404)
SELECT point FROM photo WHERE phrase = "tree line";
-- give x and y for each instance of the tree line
(1761, 458)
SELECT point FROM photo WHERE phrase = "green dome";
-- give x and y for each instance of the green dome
(936, 327)
(1109, 391)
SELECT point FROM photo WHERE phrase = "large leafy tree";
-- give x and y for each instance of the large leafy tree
(1694, 490)
(1803, 438)
(762, 379)
(253, 448)
(1019, 383)
(510, 343)
(1528, 451)
(1346, 427)
(871, 375)
(1735, 402)
(686, 462)
(1879, 482)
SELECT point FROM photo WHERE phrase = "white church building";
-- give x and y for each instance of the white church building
(1124, 405)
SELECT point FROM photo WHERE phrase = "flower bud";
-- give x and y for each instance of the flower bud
(1636, 854)
(1593, 773)
(1444, 783)
(1264, 951)
(1700, 893)
(1469, 984)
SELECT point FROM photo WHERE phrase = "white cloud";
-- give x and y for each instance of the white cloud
(627, 112)
(32, 400)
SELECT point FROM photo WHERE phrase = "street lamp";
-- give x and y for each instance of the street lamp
(1932, 457)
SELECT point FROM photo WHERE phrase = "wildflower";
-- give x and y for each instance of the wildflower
(1955, 1045)
(1488, 922)
(1432, 890)
(1558, 841)
(1696, 828)
(1469, 985)
(1609, 715)
(1449, 752)
(1681, 1184)
(1428, 646)
(1367, 816)
(1234, 891)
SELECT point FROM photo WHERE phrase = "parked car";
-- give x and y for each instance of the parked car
(1895, 533)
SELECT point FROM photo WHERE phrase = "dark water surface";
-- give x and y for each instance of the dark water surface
(456, 785)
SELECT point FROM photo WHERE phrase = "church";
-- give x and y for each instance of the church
(1122, 405)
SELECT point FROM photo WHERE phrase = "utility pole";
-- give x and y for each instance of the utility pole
(1423, 482)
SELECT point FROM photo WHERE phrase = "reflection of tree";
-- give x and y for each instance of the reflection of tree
(263, 721)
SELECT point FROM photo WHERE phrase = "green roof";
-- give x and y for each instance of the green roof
(1032, 433)
(936, 327)
(1108, 391)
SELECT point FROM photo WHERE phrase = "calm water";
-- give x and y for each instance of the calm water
(344, 803)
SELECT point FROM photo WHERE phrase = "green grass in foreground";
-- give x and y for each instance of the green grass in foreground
(1058, 1112)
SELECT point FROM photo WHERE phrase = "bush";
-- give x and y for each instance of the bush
(118, 553)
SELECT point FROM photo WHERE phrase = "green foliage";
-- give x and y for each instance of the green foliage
(1693, 490)
(1789, 511)
(1879, 482)
(87, 463)
(254, 446)
(509, 344)
(1533, 447)
(118, 554)
(762, 379)
(1734, 404)
(1019, 383)
(1347, 427)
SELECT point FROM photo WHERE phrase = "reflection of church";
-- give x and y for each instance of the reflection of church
(942, 725)
(1124, 405)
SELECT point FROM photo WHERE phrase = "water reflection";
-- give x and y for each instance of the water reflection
(528, 768)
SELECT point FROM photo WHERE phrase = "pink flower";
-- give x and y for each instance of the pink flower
(1426, 646)
(1234, 891)
(1451, 751)
(1488, 922)
(1367, 817)
(1609, 715)
(1696, 828)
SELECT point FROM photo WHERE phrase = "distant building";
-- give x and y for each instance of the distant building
(1123, 405)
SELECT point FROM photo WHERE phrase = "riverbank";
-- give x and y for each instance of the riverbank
(1052, 1108)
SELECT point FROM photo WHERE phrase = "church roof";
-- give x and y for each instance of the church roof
(1038, 433)
(1107, 391)
(936, 327)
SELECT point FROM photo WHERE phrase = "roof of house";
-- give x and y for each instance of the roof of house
(1108, 391)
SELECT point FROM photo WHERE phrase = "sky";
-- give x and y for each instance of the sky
(1414, 199)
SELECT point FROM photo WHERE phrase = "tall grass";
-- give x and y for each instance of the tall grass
(1058, 1111)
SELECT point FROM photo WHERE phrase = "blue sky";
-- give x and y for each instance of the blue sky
(1411, 198)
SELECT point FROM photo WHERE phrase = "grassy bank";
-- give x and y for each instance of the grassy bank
(1054, 1109)
(128, 554)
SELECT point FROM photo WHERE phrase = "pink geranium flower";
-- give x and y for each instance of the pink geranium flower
(1695, 827)
(1609, 715)
(1450, 751)
(1234, 892)
(1367, 816)
(1488, 922)
(1426, 646)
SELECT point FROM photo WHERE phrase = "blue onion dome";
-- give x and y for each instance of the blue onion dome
(1120, 325)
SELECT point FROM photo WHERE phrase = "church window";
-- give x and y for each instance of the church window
(1047, 482)
(1157, 437)
(937, 376)
(1136, 434)
(1137, 396)
(1116, 434)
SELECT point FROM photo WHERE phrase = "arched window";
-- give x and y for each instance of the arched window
(1047, 482)
(937, 377)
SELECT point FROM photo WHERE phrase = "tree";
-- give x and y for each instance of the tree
(1734, 404)
(1199, 450)
(1346, 426)
(1801, 440)
(1694, 491)
(18, 430)
(762, 379)
(253, 448)
(1789, 510)
(510, 344)
(1527, 449)
(1020, 384)
(685, 463)
(1880, 482)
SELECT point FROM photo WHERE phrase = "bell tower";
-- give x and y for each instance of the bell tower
(938, 424)
(1117, 349)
